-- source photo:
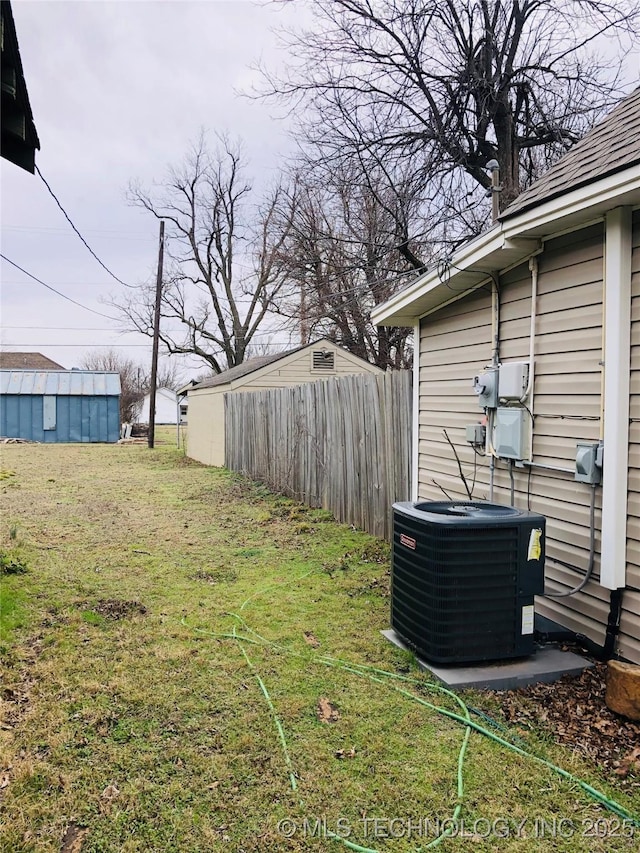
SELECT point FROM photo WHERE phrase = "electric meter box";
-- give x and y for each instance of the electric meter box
(513, 379)
(589, 462)
(486, 387)
(510, 432)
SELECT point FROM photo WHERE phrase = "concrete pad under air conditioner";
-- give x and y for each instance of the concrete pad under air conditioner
(549, 663)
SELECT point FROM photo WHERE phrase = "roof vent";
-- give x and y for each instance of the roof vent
(323, 359)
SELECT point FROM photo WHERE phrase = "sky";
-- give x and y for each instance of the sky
(119, 90)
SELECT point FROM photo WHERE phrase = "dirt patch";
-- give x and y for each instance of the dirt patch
(375, 552)
(327, 711)
(216, 576)
(114, 608)
(573, 710)
(380, 586)
(73, 839)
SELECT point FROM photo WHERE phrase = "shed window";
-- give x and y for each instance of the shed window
(323, 359)
(48, 413)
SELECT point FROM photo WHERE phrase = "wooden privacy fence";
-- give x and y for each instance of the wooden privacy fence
(341, 444)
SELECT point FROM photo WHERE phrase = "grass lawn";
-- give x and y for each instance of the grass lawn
(169, 640)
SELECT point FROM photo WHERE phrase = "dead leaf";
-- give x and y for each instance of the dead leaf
(327, 713)
(341, 753)
(110, 793)
(631, 761)
(311, 640)
(73, 839)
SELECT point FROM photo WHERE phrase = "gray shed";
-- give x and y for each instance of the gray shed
(60, 405)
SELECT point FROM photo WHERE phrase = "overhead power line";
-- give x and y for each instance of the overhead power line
(69, 220)
(55, 231)
(58, 292)
(109, 345)
(64, 346)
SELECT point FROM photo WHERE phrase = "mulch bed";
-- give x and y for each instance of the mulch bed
(574, 712)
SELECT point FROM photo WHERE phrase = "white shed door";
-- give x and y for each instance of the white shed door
(48, 412)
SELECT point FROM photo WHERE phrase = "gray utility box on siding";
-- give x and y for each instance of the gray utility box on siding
(510, 436)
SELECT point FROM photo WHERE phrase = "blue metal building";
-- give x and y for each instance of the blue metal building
(60, 405)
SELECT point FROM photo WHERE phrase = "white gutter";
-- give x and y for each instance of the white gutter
(617, 367)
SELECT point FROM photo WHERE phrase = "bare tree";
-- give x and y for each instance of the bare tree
(135, 379)
(132, 380)
(168, 375)
(347, 248)
(448, 85)
(222, 273)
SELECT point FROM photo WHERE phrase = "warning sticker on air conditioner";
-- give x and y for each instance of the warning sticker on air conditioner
(535, 548)
(527, 619)
(408, 541)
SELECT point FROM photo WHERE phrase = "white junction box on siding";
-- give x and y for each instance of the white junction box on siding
(510, 432)
(513, 378)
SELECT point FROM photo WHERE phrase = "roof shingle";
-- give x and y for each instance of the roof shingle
(27, 361)
(609, 147)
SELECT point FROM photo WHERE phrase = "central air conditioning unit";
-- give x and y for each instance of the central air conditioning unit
(463, 579)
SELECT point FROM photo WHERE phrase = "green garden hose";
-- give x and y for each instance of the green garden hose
(384, 677)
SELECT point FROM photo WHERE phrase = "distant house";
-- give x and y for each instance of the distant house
(527, 352)
(27, 361)
(19, 136)
(310, 363)
(54, 406)
(166, 407)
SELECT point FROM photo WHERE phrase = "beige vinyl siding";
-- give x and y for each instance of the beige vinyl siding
(297, 373)
(630, 620)
(205, 431)
(456, 344)
(299, 369)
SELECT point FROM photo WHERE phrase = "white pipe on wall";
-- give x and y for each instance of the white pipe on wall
(617, 367)
(415, 461)
(533, 267)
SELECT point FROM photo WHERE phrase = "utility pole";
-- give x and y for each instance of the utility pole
(156, 339)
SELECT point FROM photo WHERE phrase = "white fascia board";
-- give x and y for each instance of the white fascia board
(621, 188)
(215, 389)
